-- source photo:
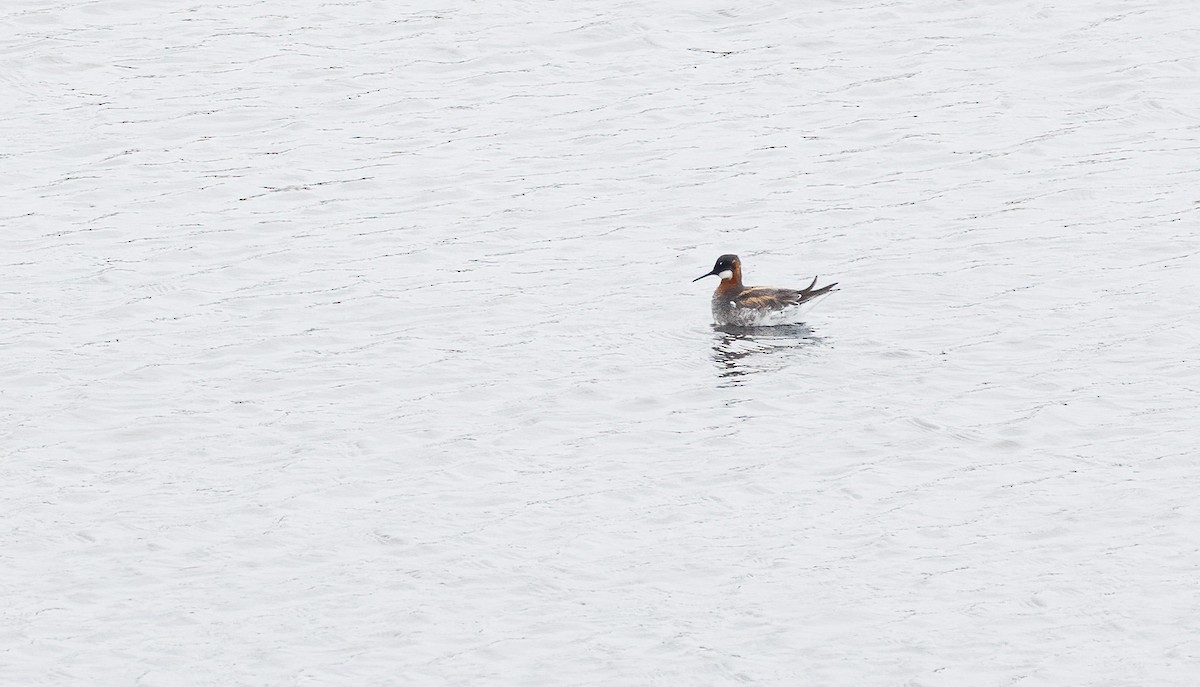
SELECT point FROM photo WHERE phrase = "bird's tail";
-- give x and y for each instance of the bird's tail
(810, 293)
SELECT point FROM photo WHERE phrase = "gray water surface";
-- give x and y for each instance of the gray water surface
(356, 344)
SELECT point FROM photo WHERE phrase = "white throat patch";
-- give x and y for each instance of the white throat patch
(727, 274)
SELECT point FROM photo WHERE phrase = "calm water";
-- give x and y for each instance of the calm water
(356, 344)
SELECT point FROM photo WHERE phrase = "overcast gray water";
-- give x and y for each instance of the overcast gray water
(356, 343)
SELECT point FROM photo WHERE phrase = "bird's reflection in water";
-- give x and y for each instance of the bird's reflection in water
(743, 351)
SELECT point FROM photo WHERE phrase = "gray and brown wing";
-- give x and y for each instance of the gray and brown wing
(763, 298)
(776, 299)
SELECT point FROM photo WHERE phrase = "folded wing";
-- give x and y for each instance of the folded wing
(774, 299)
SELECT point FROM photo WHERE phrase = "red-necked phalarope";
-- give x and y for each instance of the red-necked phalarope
(755, 306)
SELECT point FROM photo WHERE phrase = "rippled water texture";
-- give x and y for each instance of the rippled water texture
(355, 343)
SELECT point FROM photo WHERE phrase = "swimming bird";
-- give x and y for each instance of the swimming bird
(734, 304)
